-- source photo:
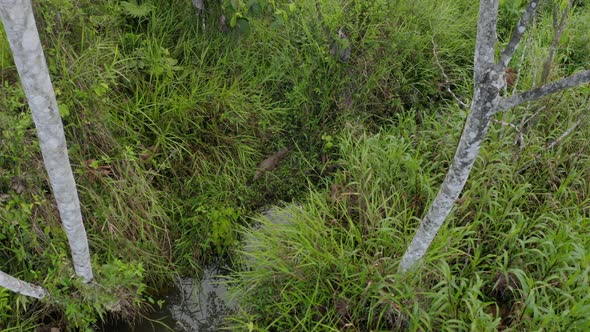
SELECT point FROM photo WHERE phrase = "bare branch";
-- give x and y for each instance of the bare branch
(566, 133)
(547, 89)
(447, 81)
(23, 37)
(519, 31)
(519, 70)
(520, 136)
(555, 142)
(514, 86)
(526, 120)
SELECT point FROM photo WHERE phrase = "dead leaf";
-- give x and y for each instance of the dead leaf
(270, 163)
(18, 184)
(510, 76)
(94, 170)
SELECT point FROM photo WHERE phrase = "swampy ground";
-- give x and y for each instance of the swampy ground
(168, 113)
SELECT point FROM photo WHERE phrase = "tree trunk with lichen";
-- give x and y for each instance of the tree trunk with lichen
(488, 82)
(19, 24)
(21, 287)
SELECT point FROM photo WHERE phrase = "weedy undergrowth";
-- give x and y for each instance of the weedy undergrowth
(168, 114)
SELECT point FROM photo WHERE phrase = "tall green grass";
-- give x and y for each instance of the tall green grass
(168, 114)
(512, 256)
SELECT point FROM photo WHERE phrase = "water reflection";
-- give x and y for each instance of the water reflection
(191, 306)
(201, 307)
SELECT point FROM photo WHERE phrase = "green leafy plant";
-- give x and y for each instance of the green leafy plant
(136, 10)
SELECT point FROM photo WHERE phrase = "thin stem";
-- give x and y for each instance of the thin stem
(559, 28)
(566, 133)
(447, 81)
(520, 136)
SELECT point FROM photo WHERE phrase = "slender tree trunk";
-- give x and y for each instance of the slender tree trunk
(19, 24)
(559, 27)
(473, 135)
(488, 81)
(21, 287)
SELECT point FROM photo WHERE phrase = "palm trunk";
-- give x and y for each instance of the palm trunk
(19, 24)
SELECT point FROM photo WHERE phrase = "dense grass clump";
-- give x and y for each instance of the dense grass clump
(513, 256)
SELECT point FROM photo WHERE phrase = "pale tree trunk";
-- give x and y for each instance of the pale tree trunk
(19, 24)
(488, 81)
(21, 287)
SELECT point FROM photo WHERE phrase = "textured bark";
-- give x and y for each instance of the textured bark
(21, 287)
(19, 24)
(519, 31)
(547, 89)
(488, 81)
(465, 156)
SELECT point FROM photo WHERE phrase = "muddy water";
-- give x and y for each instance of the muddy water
(192, 306)
(199, 305)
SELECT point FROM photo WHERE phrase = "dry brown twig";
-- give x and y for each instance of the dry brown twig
(447, 81)
(566, 133)
(520, 135)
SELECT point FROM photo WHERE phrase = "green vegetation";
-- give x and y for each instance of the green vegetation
(514, 254)
(167, 115)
